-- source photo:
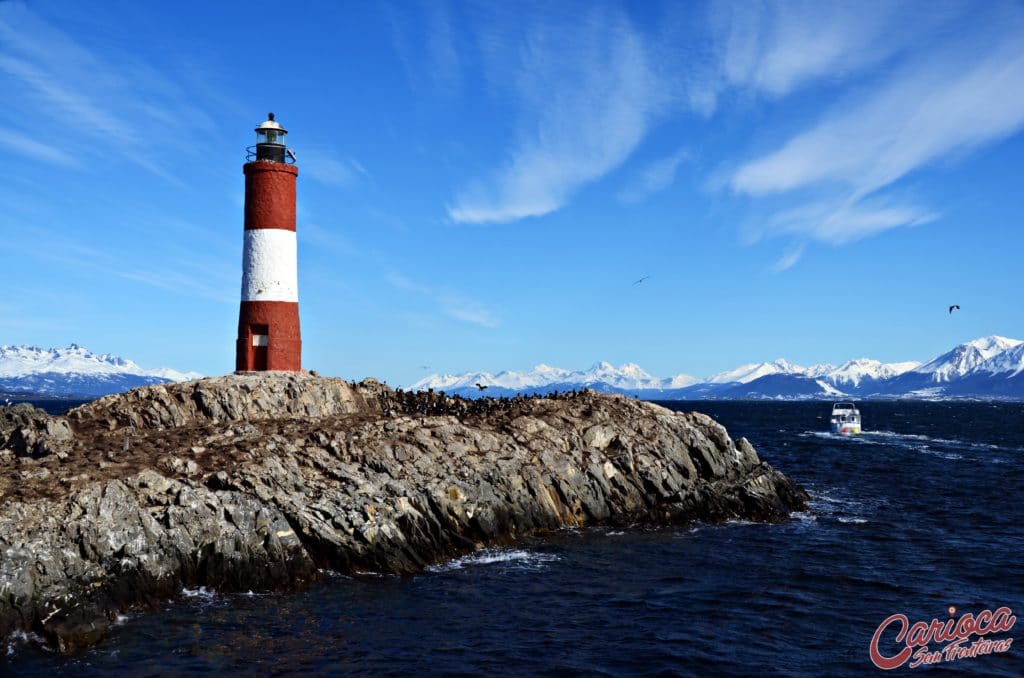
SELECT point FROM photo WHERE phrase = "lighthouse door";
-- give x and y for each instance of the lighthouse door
(260, 341)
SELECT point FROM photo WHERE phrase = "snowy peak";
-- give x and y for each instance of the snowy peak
(966, 357)
(1008, 363)
(26, 361)
(629, 375)
(745, 374)
(853, 372)
(993, 344)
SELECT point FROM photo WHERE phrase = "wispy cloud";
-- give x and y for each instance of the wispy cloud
(452, 305)
(37, 150)
(775, 48)
(201, 275)
(789, 259)
(79, 99)
(844, 171)
(179, 283)
(656, 177)
(587, 95)
(330, 168)
(922, 114)
(426, 43)
(841, 222)
(399, 281)
(468, 311)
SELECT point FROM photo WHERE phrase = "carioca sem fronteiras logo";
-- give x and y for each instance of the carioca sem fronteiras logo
(956, 633)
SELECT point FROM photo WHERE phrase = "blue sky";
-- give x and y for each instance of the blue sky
(481, 183)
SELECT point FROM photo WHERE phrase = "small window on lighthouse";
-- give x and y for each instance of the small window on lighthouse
(260, 340)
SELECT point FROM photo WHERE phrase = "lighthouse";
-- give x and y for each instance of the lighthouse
(268, 317)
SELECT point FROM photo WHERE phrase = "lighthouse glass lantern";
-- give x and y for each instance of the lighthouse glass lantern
(270, 137)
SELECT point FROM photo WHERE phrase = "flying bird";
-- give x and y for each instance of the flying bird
(480, 386)
(641, 280)
(954, 307)
(291, 154)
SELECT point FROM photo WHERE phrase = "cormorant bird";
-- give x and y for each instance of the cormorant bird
(954, 307)
(480, 386)
(641, 280)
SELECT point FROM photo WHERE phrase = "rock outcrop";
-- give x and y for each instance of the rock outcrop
(260, 481)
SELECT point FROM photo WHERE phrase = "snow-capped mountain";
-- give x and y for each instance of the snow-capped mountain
(1008, 363)
(854, 372)
(972, 369)
(983, 368)
(75, 372)
(966, 357)
(745, 374)
(627, 377)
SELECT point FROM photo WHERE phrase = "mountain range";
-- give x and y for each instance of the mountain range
(74, 372)
(988, 367)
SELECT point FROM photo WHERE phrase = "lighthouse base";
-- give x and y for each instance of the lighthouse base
(268, 337)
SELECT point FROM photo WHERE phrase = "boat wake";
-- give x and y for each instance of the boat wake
(947, 448)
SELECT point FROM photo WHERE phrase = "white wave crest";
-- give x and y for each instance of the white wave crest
(518, 558)
(19, 638)
(201, 593)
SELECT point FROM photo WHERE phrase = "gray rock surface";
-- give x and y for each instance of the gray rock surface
(258, 481)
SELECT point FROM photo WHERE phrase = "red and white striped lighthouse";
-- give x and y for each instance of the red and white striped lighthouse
(268, 320)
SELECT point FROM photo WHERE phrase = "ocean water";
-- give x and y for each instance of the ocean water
(922, 512)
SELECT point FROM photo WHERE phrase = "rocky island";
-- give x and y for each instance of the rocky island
(261, 481)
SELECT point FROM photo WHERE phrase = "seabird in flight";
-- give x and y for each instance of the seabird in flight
(954, 307)
(480, 386)
(641, 280)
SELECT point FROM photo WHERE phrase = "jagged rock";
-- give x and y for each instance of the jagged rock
(30, 431)
(241, 397)
(257, 481)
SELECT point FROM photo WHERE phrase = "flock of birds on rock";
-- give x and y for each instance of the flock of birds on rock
(437, 403)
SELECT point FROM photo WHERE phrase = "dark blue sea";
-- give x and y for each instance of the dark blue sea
(923, 512)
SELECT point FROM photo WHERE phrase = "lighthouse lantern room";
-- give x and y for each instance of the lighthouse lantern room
(270, 140)
(268, 318)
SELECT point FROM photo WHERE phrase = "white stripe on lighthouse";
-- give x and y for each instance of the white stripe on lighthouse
(269, 265)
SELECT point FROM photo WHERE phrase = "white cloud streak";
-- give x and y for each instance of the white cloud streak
(330, 169)
(655, 178)
(468, 311)
(452, 305)
(846, 168)
(776, 47)
(37, 150)
(588, 95)
(789, 259)
(81, 100)
(921, 115)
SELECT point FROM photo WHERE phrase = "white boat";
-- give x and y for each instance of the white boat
(845, 419)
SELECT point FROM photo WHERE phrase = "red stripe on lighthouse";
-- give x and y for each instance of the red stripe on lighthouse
(268, 337)
(270, 195)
